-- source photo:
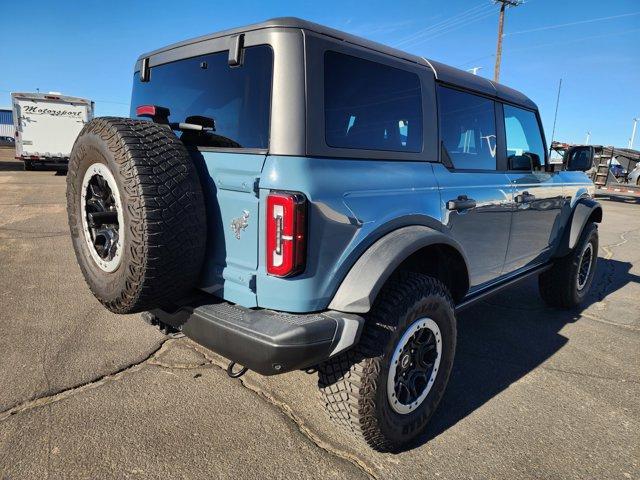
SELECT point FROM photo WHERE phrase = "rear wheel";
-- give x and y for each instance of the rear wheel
(29, 166)
(388, 386)
(136, 214)
(567, 283)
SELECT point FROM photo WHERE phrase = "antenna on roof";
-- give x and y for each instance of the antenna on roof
(555, 117)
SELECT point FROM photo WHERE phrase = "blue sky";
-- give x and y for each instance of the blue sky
(88, 48)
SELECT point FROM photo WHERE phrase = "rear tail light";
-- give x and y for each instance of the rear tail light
(286, 233)
(154, 112)
(146, 111)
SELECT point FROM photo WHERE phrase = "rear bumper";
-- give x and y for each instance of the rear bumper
(265, 341)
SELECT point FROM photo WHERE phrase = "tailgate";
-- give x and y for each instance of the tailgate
(231, 261)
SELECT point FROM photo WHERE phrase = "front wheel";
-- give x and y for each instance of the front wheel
(386, 388)
(567, 283)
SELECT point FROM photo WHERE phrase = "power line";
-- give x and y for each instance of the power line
(435, 26)
(457, 26)
(552, 44)
(443, 24)
(573, 40)
(580, 22)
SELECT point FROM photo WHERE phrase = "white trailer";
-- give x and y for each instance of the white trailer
(46, 127)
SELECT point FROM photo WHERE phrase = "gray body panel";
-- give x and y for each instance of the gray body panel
(361, 286)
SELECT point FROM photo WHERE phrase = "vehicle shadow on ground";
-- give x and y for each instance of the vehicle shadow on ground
(11, 166)
(507, 336)
(620, 199)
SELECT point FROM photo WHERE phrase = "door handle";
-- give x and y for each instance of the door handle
(461, 203)
(525, 197)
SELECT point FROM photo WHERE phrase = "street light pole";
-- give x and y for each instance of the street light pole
(503, 6)
(586, 142)
(633, 132)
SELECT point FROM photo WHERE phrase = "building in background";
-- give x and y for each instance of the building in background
(6, 123)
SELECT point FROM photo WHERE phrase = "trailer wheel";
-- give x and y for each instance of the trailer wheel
(28, 166)
(136, 214)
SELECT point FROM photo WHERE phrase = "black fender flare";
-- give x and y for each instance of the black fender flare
(369, 273)
(584, 209)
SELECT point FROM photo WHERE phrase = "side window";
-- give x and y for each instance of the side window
(368, 105)
(468, 129)
(524, 141)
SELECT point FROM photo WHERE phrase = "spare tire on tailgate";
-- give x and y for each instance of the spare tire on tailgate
(136, 214)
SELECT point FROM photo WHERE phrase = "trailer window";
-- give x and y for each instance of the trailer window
(237, 98)
(371, 106)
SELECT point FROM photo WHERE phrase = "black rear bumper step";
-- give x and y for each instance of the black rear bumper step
(265, 341)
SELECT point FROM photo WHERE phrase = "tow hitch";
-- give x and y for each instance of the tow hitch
(236, 374)
(168, 330)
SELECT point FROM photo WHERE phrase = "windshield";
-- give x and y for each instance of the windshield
(238, 98)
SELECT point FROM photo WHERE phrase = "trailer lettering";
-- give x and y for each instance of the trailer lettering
(49, 111)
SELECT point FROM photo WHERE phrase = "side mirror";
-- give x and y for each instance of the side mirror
(520, 162)
(579, 159)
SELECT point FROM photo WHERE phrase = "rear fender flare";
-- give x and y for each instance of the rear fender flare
(369, 273)
(584, 209)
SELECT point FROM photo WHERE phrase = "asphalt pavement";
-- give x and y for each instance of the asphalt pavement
(535, 392)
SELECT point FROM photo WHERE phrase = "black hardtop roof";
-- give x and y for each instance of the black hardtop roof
(444, 73)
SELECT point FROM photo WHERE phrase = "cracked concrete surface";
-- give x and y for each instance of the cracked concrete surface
(535, 393)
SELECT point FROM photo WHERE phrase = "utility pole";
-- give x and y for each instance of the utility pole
(503, 6)
(633, 132)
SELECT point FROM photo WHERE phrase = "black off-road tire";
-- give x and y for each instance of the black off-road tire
(164, 227)
(353, 385)
(558, 285)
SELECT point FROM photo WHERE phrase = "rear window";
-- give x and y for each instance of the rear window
(237, 98)
(371, 106)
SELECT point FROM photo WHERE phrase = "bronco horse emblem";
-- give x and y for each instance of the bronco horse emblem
(239, 224)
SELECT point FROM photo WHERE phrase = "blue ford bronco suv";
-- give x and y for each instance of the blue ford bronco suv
(294, 197)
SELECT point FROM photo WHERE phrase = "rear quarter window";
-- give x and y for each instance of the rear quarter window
(237, 98)
(371, 106)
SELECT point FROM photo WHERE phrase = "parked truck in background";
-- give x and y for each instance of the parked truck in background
(46, 126)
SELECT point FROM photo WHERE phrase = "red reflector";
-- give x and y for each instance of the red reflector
(146, 111)
(286, 234)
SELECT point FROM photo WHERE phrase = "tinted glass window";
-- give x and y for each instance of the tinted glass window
(371, 106)
(468, 129)
(523, 137)
(237, 98)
